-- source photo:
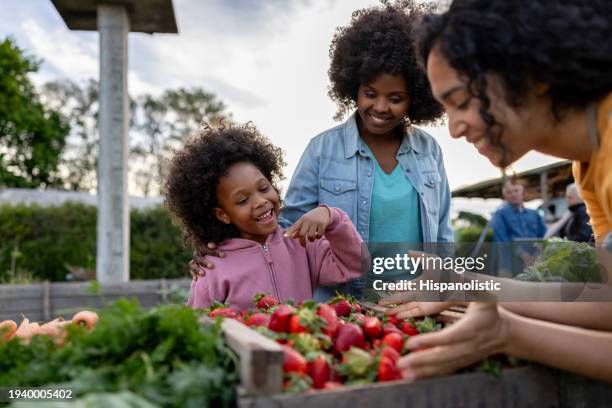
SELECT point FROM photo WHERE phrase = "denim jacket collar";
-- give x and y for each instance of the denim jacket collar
(352, 141)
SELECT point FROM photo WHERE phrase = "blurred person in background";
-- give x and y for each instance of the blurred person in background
(513, 223)
(574, 225)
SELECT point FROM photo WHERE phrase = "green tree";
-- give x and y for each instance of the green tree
(31, 136)
(164, 123)
(158, 126)
(79, 105)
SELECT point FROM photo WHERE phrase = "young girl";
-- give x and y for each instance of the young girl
(386, 174)
(221, 186)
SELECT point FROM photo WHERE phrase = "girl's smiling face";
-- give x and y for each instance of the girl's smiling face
(248, 200)
(382, 104)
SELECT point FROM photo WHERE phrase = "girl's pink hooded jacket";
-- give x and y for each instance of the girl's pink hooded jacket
(281, 267)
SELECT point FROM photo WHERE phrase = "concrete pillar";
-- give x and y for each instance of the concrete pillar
(113, 239)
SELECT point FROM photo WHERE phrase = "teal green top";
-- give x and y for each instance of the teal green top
(394, 213)
(394, 217)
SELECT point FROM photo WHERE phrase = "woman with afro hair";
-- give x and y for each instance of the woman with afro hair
(515, 76)
(221, 186)
(385, 173)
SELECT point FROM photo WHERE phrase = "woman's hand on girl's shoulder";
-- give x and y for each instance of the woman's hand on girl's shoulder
(311, 226)
(200, 263)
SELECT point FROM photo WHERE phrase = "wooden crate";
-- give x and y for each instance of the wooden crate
(261, 376)
(45, 301)
(261, 359)
(529, 386)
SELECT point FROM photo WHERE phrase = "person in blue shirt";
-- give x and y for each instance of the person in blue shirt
(515, 224)
(384, 172)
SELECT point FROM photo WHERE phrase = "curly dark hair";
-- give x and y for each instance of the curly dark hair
(194, 173)
(380, 39)
(565, 44)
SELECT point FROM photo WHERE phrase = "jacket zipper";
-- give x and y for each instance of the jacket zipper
(271, 270)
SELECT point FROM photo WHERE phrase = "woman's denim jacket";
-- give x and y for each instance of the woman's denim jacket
(336, 170)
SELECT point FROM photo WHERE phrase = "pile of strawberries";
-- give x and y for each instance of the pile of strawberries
(331, 344)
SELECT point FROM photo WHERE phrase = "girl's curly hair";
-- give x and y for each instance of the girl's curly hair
(194, 173)
(380, 39)
(565, 44)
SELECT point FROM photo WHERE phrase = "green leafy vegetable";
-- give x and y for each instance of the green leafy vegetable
(163, 355)
(564, 261)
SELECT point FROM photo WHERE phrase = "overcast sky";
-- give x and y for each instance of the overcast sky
(267, 60)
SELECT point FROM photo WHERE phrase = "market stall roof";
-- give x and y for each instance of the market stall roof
(541, 182)
(146, 16)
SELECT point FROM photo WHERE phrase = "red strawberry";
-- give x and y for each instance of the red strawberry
(408, 328)
(328, 313)
(224, 312)
(319, 371)
(390, 328)
(343, 308)
(295, 326)
(393, 319)
(372, 327)
(306, 320)
(349, 335)
(394, 340)
(332, 385)
(356, 308)
(279, 320)
(258, 319)
(263, 301)
(387, 370)
(294, 362)
(390, 353)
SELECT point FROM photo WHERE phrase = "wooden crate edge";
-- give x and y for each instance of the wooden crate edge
(261, 358)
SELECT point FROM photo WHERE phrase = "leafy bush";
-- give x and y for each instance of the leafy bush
(42, 241)
(472, 234)
(466, 238)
